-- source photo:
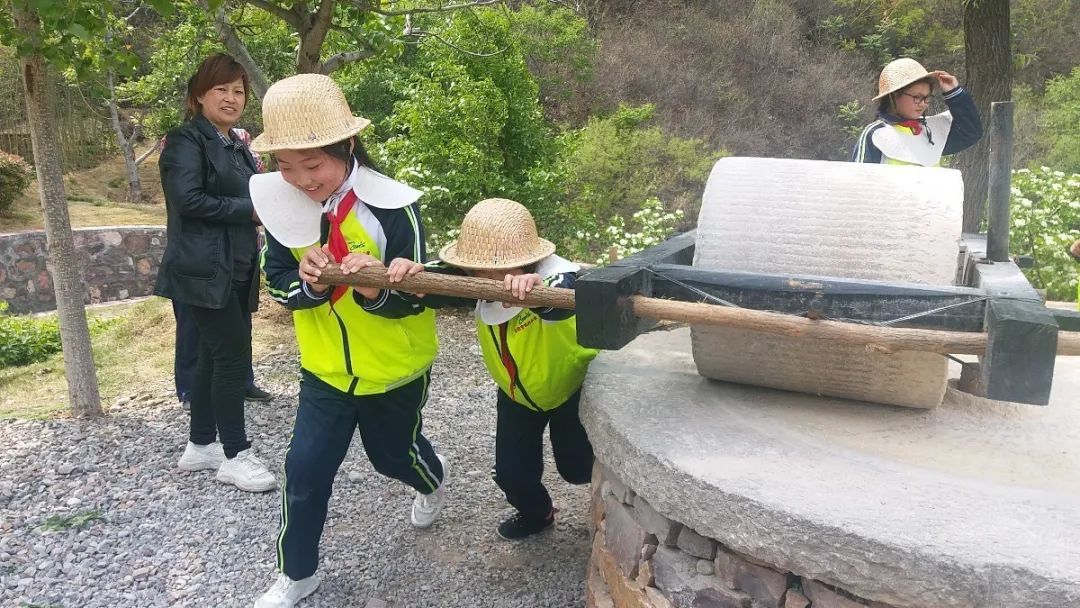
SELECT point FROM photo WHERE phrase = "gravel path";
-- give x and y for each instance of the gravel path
(151, 535)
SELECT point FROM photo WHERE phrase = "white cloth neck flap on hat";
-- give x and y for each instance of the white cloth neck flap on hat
(915, 149)
(292, 218)
(494, 313)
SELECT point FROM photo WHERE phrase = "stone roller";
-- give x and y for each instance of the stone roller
(828, 219)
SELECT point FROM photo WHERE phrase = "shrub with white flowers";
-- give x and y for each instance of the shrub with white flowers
(1045, 217)
(647, 226)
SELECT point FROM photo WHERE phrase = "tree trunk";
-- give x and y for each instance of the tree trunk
(313, 30)
(988, 52)
(127, 147)
(239, 51)
(63, 264)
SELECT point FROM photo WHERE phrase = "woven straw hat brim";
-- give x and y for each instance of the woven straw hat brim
(262, 145)
(899, 75)
(541, 250)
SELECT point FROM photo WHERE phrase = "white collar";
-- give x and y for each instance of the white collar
(292, 218)
(494, 313)
(915, 149)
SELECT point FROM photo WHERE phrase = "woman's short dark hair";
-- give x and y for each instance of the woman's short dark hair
(340, 151)
(214, 70)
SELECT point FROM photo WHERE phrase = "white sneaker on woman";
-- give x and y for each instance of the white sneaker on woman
(247, 472)
(285, 592)
(426, 507)
(201, 457)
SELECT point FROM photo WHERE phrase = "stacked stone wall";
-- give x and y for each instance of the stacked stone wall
(642, 559)
(115, 263)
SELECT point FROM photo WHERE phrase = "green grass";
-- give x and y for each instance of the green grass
(132, 343)
(76, 521)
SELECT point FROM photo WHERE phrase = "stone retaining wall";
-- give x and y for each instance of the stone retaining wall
(642, 559)
(116, 263)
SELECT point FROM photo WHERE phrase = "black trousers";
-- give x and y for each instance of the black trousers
(519, 452)
(390, 426)
(186, 354)
(217, 395)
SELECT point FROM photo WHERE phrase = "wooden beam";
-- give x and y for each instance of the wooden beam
(610, 306)
(826, 297)
(877, 339)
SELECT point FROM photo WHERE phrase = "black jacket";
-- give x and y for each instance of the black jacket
(210, 229)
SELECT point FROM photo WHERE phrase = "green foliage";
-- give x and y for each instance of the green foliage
(15, 177)
(1061, 126)
(647, 226)
(883, 30)
(76, 34)
(179, 51)
(1045, 216)
(462, 127)
(558, 49)
(850, 115)
(25, 340)
(610, 167)
(448, 141)
(176, 56)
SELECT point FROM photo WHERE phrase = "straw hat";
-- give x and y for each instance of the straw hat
(305, 111)
(899, 74)
(497, 234)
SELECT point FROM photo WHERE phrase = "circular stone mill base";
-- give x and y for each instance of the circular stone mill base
(709, 494)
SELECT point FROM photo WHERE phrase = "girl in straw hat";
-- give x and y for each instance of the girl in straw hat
(531, 353)
(365, 354)
(901, 135)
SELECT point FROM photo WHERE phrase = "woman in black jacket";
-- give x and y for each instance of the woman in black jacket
(209, 264)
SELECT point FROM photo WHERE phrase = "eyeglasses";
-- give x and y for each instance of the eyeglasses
(917, 98)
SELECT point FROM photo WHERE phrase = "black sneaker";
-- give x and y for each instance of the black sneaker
(520, 526)
(254, 393)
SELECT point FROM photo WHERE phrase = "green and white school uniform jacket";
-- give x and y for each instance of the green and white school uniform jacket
(532, 353)
(356, 345)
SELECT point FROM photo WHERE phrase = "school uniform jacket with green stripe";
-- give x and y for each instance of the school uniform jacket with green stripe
(359, 346)
(534, 357)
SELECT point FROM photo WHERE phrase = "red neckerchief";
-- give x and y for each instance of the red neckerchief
(339, 248)
(916, 126)
(507, 360)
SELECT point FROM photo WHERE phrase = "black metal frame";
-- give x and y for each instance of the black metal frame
(1022, 333)
(1022, 342)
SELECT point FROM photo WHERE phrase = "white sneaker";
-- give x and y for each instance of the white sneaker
(285, 592)
(201, 457)
(247, 472)
(426, 507)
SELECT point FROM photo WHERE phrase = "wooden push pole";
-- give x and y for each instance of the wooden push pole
(875, 338)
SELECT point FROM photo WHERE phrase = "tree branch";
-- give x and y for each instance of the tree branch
(278, 11)
(336, 62)
(236, 47)
(422, 34)
(375, 8)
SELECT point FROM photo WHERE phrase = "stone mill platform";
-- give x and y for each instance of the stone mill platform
(745, 496)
